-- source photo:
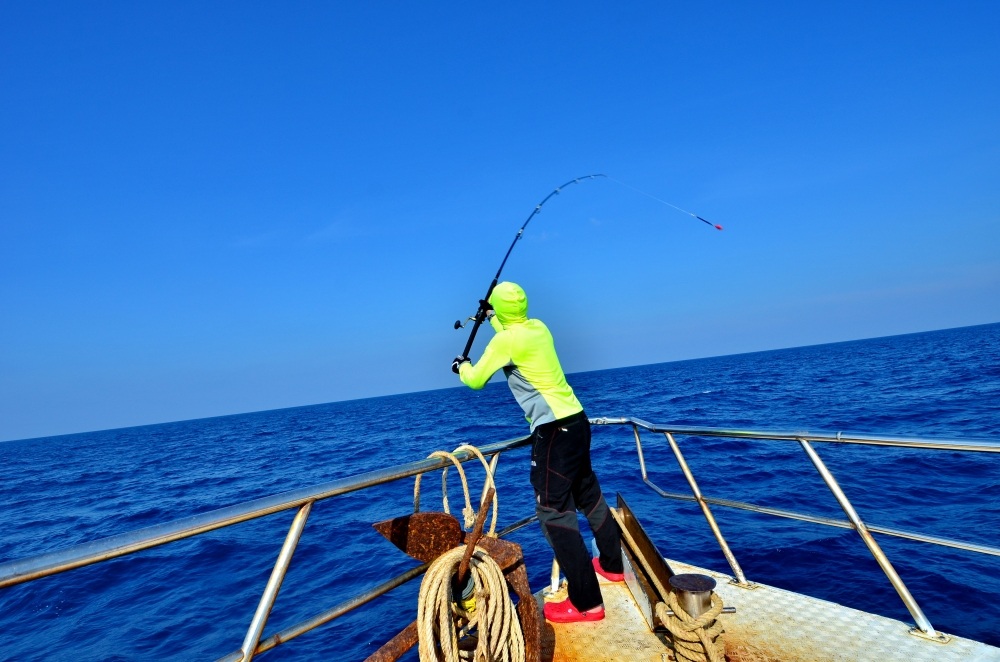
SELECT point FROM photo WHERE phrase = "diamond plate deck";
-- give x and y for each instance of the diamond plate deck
(770, 625)
(622, 635)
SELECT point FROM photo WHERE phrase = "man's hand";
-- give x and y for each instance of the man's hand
(485, 306)
(459, 360)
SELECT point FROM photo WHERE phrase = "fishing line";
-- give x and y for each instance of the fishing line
(650, 195)
(484, 305)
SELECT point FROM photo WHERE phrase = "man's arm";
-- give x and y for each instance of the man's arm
(495, 356)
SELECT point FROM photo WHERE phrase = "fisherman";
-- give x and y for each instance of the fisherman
(561, 474)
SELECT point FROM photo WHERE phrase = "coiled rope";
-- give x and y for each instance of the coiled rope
(441, 623)
(695, 639)
(445, 630)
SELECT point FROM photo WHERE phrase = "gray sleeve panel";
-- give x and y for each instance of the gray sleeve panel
(536, 409)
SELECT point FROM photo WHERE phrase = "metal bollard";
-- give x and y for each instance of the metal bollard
(694, 592)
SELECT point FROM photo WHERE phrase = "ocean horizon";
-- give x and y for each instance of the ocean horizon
(449, 388)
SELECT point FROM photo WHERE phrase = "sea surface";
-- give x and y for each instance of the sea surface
(194, 599)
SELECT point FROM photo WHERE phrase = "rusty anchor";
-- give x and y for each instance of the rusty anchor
(427, 535)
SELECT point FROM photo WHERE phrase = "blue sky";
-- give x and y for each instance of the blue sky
(213, 208)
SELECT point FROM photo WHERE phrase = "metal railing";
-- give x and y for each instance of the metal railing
(302, 500)
(854, 521)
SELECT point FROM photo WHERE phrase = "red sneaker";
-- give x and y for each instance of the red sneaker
(610, 576)
(565, 612)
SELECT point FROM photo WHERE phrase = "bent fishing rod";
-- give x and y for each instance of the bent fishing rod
(484, 305)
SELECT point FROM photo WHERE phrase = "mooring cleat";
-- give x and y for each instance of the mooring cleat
(565, 612)
(610, 576)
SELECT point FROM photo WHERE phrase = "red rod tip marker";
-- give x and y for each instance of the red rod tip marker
(718, 227)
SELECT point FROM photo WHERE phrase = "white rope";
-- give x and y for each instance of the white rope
(497, 632)
(490, 468)
(468, 513)
(695, 639)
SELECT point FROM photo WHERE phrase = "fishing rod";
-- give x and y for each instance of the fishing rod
(484, 305)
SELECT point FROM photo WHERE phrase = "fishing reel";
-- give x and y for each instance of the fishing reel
(482, 314)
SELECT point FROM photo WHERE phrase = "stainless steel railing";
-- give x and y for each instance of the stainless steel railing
(302, 500)
(854, 521)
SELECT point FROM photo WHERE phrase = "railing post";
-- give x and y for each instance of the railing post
(274, 582)
(923, 625)
(728, 553)
(638, 448)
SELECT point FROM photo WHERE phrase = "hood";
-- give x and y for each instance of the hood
(509, 303)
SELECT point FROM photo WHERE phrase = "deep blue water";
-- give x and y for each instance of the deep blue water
(194, 599)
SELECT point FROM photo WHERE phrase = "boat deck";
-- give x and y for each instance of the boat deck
(622, 635)
(770, 625)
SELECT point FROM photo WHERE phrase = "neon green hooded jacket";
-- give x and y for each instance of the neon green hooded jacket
(524, 349)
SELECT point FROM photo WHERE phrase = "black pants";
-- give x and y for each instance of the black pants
(564, 482)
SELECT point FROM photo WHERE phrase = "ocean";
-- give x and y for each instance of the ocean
(194, 599)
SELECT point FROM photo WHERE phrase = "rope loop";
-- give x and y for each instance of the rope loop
(695, 639)
(468, 513)
(490, 469)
